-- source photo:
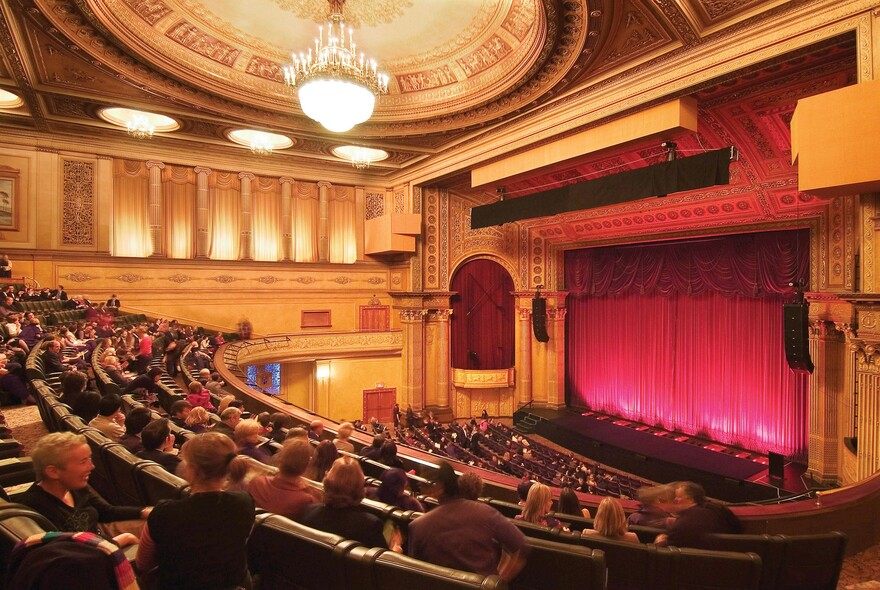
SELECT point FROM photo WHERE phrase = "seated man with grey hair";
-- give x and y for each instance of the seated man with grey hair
(229, 419)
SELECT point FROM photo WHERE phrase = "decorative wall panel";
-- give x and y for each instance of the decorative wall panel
(78, 203)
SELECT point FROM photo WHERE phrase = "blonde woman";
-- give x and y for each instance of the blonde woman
(197, 421)
(610, 522)
(538, 504)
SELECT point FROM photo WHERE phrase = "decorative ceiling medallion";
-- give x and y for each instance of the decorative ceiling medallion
(360, 157)
(358, 13)
(9, 100)
(138, 122)
(259, 142)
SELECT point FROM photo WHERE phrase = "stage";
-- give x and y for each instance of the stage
(727, 473)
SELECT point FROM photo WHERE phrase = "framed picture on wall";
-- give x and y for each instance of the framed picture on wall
(8, 198)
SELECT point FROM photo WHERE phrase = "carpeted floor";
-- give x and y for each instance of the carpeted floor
(860, 572)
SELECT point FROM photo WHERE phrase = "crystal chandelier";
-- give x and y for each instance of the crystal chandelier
(139, 127)
(336, 87)
(260, 146)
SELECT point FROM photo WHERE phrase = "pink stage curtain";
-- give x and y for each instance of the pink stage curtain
(690, 336)
(482, 324)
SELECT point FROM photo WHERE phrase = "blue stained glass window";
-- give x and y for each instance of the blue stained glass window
(265, 377)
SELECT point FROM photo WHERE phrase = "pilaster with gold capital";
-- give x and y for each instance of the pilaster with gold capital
(286, 226)
(441, 318)
(324, 221)
(246, 245)
(157, 229)
(556, 352)
(202, 241)
(413, 327)
(524, 352)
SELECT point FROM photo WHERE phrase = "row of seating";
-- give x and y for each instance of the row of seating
(42, 306)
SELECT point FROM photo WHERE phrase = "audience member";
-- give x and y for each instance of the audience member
(610, 522)
(62, 463)
(110, 419)
(464, 534)
(180, 411)
(135, 422)
(280, 422)
(392, 491)
(375, 449)
(538, 503)
(325, 455)
(287, 493)
(341, 512)
(696, 518)
(296, 432)
(388, 455)
(12, 383)
(522, 490)
(148, 382)
(158, 444)
(198, 420)
(198, 396)
(470, 486)
(653, 501)
(343, 433)
(199, 542)
(316, 429)
(229, 419)
(31, 332)
(248, 437)
(145, 350)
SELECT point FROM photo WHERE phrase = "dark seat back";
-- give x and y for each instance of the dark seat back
(700, 569)
(812, 562)
(156, 483)
(286, 554)
(553, 565)
(121, 466)
(631, 566)
(770, 548)
(393, 570)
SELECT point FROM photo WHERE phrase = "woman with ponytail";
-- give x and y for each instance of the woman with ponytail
(198, 542)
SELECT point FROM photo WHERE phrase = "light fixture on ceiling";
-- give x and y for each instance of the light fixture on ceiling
(336, 87)
(261, 143)
(9, 100)
(359, 156)
(139, 124)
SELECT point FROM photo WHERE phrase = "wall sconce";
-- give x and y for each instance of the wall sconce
(322, 371)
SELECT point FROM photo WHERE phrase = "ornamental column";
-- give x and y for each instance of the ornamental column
(286, 224)
(412, 324)
(524, 355)
(556, 357)
(157, 230)
(827, 349)
(246, 246)
(442, 317)
(324, 221)
(203, 243)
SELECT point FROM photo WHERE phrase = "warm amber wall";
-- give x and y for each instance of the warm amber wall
(349, 377)
(297, 383)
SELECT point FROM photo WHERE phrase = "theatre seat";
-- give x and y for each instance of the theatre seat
(393, 570)
(770, 548)
(561, 567)
(288, 555)
(812, 562)
(699, 569)
(631, 566)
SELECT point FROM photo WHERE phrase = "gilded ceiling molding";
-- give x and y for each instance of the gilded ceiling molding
(18, 71)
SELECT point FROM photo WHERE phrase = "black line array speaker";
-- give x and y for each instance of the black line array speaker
(797, 339)
(777, 465)
(539, 319)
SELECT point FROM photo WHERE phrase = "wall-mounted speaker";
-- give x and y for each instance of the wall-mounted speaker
(797, 338)
(539, 319)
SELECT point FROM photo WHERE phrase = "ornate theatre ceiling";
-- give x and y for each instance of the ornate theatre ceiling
(459, 70)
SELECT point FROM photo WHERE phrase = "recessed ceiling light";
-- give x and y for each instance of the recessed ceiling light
(138, 123)
(9, 100)
(359, 156)
(259, 142)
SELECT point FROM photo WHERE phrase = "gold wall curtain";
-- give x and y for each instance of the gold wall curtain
(131, 221)
(224, 215)
(266, 217)
(304, 218)
(179, 189)
(343, 236)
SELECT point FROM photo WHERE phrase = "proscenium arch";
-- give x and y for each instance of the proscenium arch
(483, 316)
